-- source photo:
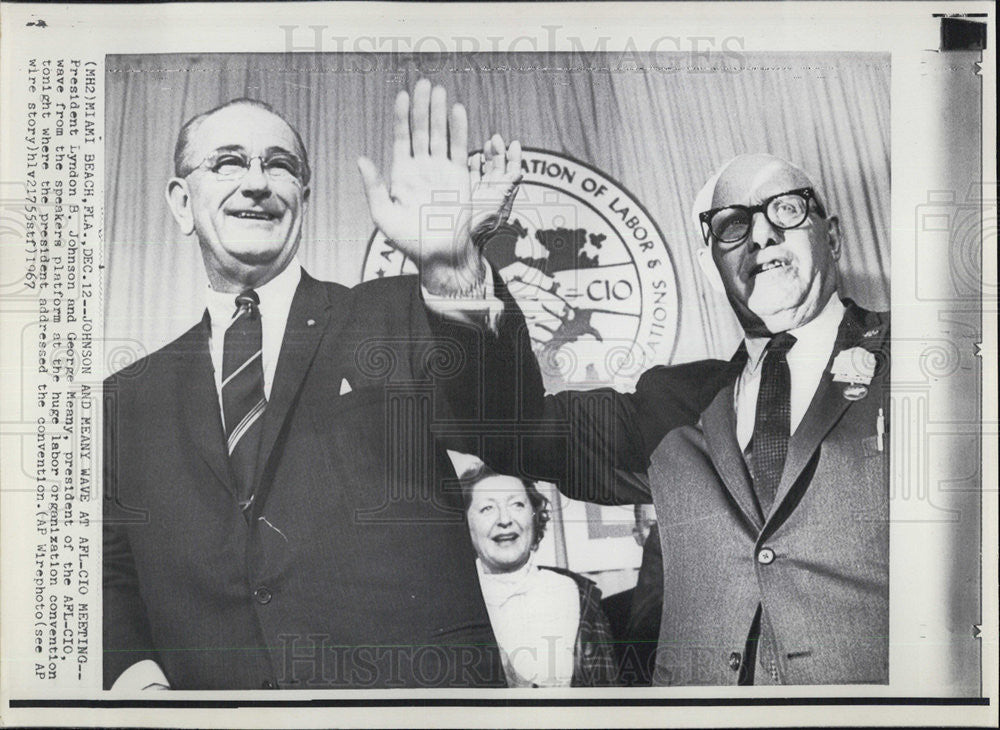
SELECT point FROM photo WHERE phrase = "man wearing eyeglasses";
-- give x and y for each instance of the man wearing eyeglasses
(795, 449)
(274, 517)
(769, 472)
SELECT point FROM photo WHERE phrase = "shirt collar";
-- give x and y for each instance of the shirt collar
(816, 334)
(274, 295)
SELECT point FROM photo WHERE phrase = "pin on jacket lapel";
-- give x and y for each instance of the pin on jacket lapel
(859, 327)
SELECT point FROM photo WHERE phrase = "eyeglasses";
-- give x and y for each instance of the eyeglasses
(733, 223)
(234, 164)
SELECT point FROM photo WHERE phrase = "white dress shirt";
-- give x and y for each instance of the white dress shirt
(807, 360)
(275, 303)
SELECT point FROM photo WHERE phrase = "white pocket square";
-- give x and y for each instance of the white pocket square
(345, 387)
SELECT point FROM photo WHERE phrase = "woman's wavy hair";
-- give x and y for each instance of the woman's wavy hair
(539, 502)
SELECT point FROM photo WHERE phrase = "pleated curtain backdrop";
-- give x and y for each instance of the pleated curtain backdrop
(660, 131)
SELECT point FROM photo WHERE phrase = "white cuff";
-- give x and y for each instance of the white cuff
(481, 302)
(141, 675)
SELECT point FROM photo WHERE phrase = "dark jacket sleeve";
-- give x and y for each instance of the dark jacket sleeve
(595, 445)
(126, 632)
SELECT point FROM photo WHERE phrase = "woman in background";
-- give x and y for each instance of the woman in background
(548, 622)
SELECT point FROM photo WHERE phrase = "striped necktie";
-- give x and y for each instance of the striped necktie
(243, 399)
(772, 423)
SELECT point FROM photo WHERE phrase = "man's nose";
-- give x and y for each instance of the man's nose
(255, 182)
(762, 232)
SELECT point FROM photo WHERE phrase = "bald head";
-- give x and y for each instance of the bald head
(753, 178)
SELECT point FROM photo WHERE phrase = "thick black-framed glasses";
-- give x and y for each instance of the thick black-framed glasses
(233, 164)
(784, 211)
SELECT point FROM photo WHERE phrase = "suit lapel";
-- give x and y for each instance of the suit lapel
(828, 403)
(200, 400)
(825, 409)
(316, 310)
(719, 427)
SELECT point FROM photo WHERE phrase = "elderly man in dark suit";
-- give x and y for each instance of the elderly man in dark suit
(774, 507)
(277, 509)
(768, 473)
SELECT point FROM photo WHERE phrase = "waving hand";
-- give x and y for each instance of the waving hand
(435, 200)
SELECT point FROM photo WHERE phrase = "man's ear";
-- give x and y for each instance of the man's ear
(833, 223)
(707, 264)
(179, 200)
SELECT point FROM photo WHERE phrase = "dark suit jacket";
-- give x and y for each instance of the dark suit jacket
(355, 568)
(818, 564)
(673, 442)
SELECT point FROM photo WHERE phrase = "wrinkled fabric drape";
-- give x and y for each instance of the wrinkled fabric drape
(660, 130)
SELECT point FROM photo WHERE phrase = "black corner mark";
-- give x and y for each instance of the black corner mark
(959, 34)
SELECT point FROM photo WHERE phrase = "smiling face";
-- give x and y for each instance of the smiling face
(775, 279)
(248, 228)
(501, 523)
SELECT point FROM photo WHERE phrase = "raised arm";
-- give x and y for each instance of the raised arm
(595, 445)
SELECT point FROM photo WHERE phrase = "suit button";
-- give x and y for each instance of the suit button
(734, 660)
(267, 684)
(262, 595)
(765, 556)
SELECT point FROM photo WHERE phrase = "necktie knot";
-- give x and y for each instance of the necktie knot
(781, 343)
(247, 301)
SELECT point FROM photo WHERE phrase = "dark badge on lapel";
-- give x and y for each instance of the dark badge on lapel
(855, 391)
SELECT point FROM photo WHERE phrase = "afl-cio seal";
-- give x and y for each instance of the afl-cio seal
(588, 266)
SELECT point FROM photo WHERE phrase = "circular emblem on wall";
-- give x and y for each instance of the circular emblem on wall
(587, 265)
